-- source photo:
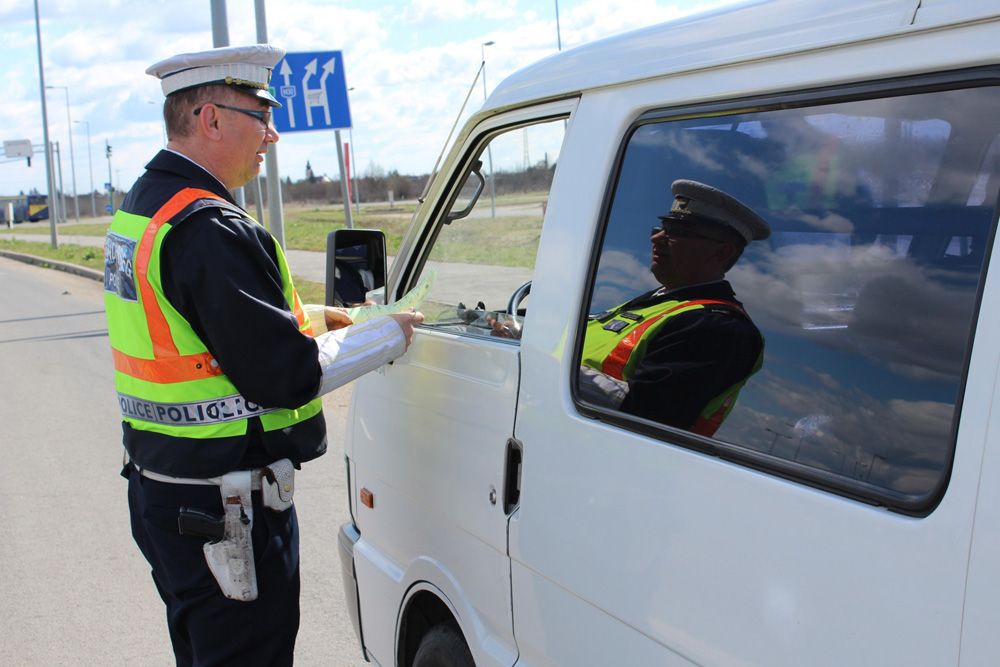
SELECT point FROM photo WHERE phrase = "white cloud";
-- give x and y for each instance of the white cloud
(410, 64)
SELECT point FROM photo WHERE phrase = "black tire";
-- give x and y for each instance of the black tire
(443, 646)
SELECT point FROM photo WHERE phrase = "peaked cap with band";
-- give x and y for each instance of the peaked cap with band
(700, 204)
(247, 68)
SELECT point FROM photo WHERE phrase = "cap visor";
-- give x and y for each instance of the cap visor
(267, 97)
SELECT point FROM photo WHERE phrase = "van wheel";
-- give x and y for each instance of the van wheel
(443, 646)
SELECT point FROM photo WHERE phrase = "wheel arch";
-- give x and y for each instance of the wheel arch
(424, 606)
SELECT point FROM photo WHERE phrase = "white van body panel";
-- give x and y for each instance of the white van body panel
(626, 549)
(705, 531)
(414, 515)
(980, 640)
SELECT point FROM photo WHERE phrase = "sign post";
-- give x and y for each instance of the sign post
(313, 91)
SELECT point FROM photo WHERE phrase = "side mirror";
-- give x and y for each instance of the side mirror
(355, 265)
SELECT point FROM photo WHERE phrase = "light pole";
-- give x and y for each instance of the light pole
(72, 161)
(90, 163)
(53, 234)
(558, 34)
(111, 185)
(354, 168)
(489, 152)
(163, 126)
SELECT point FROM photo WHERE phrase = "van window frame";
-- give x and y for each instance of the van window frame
(854, 489)
(472, 144)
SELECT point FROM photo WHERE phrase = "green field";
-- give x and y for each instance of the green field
(93, 258)
(507, 241)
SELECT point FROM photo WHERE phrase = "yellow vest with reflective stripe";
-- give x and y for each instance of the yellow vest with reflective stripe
(616, 350)
(167, 381)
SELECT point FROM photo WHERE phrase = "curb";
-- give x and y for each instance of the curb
(53, 264)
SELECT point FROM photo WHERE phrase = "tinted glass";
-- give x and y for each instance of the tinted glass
(864, 294)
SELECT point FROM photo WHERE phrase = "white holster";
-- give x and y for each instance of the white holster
(277, 485)
(231, 559)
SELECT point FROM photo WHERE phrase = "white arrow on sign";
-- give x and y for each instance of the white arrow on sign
(288, 91)
(317, 97)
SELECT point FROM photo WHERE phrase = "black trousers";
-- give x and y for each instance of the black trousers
(206, 628)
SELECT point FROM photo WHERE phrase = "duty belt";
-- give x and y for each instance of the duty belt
(255, 476)
(229, 551)
(194, 413)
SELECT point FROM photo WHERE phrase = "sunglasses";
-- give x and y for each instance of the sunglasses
(674, 231)
(263, 115)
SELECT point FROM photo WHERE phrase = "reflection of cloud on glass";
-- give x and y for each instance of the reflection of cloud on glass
(620, 277)
(830, 222)
(892, 310)
(896, 444)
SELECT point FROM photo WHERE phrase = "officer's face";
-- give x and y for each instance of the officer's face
(249, 137)
(683, 255)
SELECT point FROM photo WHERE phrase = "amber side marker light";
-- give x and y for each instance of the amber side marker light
(367, 499)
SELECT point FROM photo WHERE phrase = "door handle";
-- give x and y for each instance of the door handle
(512, 475)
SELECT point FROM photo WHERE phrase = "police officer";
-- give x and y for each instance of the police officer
(680, 354)
(217, 368)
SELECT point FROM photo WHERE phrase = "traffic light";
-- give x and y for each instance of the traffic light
(107, 150)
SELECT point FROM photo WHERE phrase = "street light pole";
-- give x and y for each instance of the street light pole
(72, 160)
(489, 151)
(111, 185)
(53, 234)
(354, 169)
(90, 163)
(558, 34)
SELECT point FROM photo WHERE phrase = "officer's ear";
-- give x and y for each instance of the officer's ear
(208, 120)
(728, 253)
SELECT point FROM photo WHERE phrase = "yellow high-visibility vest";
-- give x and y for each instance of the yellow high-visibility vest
(167, 381)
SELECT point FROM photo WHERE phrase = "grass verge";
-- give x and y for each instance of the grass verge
(93, 258)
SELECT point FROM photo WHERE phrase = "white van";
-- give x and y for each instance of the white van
(847, 510)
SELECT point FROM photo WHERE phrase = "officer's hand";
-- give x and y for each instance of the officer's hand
(406, 321)
(504, 326)
(336, 318)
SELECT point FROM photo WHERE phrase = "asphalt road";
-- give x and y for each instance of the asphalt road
(74, 589)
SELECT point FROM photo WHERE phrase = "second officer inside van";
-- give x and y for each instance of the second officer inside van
(680, 354)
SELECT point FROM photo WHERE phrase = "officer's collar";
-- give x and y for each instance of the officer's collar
(663, 291)
(192, 161)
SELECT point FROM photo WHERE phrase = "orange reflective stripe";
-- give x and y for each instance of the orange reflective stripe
(707, 426)
(159, 330)
(171, 369)
(300, 315)
(614, 363)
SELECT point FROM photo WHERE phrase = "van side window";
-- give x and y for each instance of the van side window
(483, 254)
(863, 295)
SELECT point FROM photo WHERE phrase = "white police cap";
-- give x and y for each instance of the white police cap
(698, 203)
(245, 67)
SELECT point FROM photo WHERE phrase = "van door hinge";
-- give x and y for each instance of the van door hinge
(512, 475)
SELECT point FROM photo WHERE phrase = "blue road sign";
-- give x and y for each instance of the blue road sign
(107, 208)
(313, 91)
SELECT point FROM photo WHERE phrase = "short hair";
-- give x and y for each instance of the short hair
(178, 109)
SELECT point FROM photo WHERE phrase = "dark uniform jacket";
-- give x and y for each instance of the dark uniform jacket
(221, 273)
(694, 357)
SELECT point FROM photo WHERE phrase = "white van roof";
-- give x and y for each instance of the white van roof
(751, 30)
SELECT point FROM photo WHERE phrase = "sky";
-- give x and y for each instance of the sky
(408, 63)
